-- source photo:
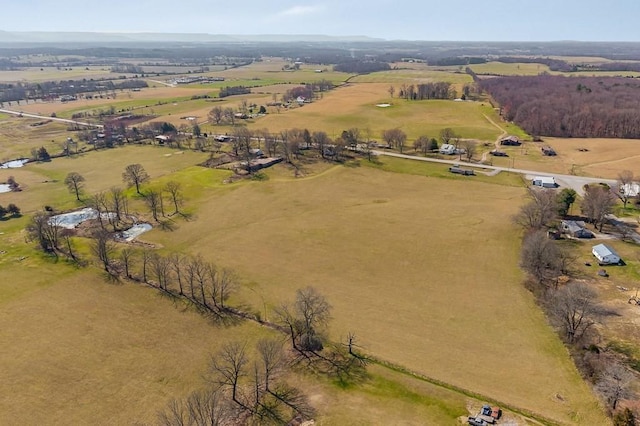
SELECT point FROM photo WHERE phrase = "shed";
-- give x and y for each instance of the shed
(606, 255)
(510, 141)
(544, 181)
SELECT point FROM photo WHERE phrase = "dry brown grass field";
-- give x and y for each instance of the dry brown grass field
(432, 286)
(604, 158)
(423, 269)
(77, 350)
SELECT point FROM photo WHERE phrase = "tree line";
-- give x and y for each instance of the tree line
(10, 92)
(437, 90)
(588, 107)
(572, 305)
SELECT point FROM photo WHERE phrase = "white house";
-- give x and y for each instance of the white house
(447, 149)
(605, 254)
(630, 189)
(544, 181)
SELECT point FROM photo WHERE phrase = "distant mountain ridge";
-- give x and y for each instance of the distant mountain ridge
(149, 37)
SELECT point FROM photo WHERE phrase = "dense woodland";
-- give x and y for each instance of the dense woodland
(590, 107)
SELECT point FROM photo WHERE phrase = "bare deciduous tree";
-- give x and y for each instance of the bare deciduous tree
(118, 200)
(615, 384)
(127, 257)
(469, 149)
(206, 407)
(153, 199)
(446, 135)
(103, 247)
(540, 211)
(216, 114)
(395, 138)
(597, 203)
(539, 257)
(575, 308)
(228, 367)
(135, 175)
(422, 144)
(625, 179)
(74, 182)
(175, 192)
(41, 229)
(305, 319)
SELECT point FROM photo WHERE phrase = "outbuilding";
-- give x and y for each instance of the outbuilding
(606, 255)
(576, 229)
(544, 181)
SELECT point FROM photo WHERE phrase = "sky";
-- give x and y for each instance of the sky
(463, 20)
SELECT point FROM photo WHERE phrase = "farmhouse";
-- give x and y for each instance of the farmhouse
(576, 229)
(605, 255)
(510, 141)
(447, 149)
(544, 181)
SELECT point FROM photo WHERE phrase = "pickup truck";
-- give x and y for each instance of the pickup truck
(477, 421)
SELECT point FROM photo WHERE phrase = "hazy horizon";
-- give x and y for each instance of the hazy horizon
(454, 20)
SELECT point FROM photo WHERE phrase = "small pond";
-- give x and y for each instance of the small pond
(13, 164)
(73, 219)
(133, 232)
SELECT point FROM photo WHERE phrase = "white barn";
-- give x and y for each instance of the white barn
(605, 254)
(544, 181)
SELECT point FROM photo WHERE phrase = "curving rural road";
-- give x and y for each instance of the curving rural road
(44, 117)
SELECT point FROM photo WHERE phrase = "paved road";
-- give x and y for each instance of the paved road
(570, 181)
(44, 117)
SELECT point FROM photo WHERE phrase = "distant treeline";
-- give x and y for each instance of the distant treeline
(308, 90)
(590, 107)
(439, 90)
(457, 60)
(233, 90)
(361, 67)
(10, 92)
